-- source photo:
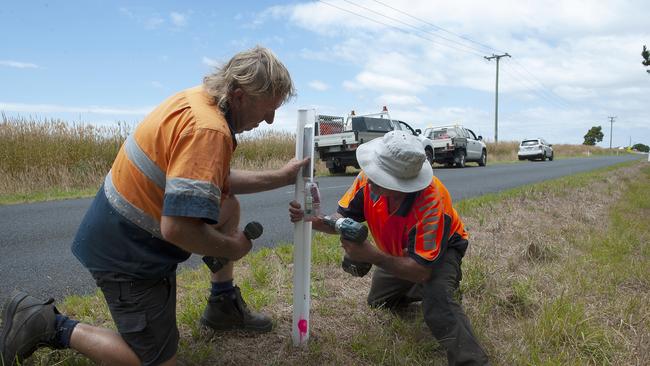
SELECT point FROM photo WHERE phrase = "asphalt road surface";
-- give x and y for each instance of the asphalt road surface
(35, 238)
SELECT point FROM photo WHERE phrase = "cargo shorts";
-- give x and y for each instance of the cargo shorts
(144, 312)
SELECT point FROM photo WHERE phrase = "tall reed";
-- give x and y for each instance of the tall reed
(41, 154)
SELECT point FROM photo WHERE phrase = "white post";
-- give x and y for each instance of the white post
(302, 237)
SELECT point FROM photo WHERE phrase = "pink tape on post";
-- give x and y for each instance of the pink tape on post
(302, 328)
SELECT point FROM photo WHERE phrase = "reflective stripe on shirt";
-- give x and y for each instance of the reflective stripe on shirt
(193, 187)
(131, 212)
(143, 163)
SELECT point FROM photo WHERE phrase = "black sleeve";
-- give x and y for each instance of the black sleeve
(355, 208)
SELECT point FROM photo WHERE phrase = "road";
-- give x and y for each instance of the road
(35, 238)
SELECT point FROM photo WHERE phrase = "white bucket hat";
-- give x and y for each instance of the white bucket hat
(396, 161)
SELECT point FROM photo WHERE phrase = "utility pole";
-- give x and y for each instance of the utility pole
(611, 127)
(496, 95)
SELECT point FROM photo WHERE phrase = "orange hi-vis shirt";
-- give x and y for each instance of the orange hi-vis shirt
(176, 163)
(423, 227)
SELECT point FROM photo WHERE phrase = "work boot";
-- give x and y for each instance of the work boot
(28, 323)
(229, 311)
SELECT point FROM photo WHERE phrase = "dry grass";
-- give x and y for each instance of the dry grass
(46, 159)
(49, 159)
(40, 155)
(534, 257)
(507, 151)
(557, 274)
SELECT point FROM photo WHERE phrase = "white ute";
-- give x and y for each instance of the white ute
(337, 138)
(456, 145)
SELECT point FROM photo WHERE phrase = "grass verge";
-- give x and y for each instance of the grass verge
(557, 274)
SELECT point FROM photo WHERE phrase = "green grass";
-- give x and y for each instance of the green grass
(563, 334)
(586, 304)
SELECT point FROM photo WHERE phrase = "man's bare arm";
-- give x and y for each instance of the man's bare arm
(195, 236)
(245, 181)
(403, 267)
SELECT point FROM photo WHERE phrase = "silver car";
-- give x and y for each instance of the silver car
(535, 149)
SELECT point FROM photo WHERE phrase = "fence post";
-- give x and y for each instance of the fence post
(302, 236)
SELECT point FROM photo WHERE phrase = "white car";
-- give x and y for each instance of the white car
(532, 149)
(456, 145)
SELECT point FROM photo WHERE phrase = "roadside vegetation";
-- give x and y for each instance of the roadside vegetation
(558, 273)
(506, 151)
(45, 159)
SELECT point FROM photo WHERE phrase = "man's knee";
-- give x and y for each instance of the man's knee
(437, 305)
(229, 213)
(230, 205)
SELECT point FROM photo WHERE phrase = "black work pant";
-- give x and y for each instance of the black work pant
(442, 312)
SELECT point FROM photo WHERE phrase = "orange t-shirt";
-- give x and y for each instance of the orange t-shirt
(176, 163)
(423, 227)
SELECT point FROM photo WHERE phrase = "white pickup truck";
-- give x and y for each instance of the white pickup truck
(337, 139)
(456, 145)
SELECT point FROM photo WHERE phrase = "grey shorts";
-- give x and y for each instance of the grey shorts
(144, 312)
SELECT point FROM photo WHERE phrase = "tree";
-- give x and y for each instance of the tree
(595, 134)
(646, 58)
(641, 147)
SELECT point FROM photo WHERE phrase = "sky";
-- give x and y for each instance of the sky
(573, 63)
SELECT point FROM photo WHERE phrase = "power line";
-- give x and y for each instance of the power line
(537, 86)
(437, 27)
(413, 26)
(534, 89)
(544, 88)
(398, 28)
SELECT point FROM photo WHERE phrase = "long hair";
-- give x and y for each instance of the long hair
(256, 71)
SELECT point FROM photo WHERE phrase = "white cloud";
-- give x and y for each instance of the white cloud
(211, 62)
(399, 100)
(382, 83)
(575, 92)
(178, 19)
(53, 108)
(18, 64)
(157, 84)
(573, 62)
(153, 22)
(127, 12)
(318, 85)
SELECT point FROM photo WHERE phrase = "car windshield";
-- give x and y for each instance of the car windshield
(443, 133)
(530, 143)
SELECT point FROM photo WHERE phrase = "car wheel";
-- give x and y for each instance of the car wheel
(429, 154)
(543, 158)
(461, 160)
(483, 161)
(550, 158)
(337, 169)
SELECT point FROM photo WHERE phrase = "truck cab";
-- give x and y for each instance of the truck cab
(337, 139)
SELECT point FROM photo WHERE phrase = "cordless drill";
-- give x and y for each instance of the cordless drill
(252, 230)
(354, 232)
